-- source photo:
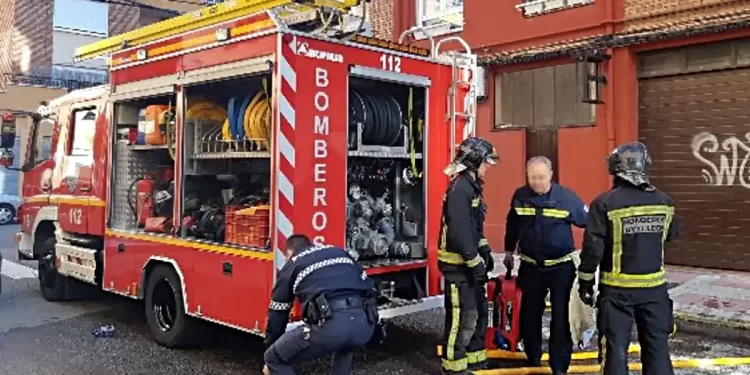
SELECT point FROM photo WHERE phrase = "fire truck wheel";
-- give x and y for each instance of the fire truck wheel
(52, 284)
(165, 309)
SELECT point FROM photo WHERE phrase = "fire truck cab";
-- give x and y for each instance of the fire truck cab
(223, 132)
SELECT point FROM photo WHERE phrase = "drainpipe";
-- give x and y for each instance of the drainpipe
(610, 101)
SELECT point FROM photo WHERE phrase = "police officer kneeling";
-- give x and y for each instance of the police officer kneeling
(625, 235)
(339, 308)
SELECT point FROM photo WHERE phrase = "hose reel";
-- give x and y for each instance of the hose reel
(381, 117)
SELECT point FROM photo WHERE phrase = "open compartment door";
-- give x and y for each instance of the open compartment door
(146, 88)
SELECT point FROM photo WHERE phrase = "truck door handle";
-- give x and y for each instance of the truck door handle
(85, 188)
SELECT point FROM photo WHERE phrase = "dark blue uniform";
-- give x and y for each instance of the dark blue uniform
(313, 272)
(540, 226)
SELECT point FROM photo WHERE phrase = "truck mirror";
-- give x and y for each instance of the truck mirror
(8, 131)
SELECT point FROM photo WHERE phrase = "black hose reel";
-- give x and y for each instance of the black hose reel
(380, 115)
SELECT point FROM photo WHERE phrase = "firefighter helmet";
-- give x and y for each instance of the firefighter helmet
(472, 153)
(630, 162)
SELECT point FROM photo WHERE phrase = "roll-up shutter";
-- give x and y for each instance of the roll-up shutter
(230, 70)
(145, 88)
(696, 127)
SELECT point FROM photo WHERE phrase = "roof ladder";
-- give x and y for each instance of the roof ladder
(463, 88)
(464, 69)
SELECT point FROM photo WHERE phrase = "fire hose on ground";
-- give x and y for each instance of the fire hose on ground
(499, 354)
(594, 369)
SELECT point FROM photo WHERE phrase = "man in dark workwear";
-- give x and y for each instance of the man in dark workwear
(339, 308)
(625, 235)
(539, 224)
(464, 258)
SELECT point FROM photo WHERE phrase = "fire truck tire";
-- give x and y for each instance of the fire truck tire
(165, 309)
(52, 285)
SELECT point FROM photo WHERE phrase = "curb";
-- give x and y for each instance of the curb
(712, 320)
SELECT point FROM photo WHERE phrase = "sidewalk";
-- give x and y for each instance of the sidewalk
(710, 296)
(705, 296)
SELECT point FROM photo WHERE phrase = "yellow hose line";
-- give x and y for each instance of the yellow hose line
(594, 369)
(205, 110)
(520, 356)
(504, 354)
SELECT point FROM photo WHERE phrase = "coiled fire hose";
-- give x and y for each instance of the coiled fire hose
(249, 118)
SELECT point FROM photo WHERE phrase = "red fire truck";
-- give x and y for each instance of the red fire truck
(224, 131)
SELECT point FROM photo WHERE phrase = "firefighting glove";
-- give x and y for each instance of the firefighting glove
(486, 253)
(586, 291)
(508, 261)
(480, 273)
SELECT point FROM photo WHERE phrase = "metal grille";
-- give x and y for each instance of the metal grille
(129, 166)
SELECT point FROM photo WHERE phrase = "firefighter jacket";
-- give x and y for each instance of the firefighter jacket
(625, 235)
(540, 224)
(461, 232)
(312, 272)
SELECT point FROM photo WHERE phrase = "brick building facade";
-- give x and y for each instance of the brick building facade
(677, 78)
(36, 51)
(28, 30)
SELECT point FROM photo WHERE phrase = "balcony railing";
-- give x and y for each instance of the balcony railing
(47, 81)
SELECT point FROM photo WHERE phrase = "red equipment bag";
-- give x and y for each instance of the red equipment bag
(509, 306)
(158, 225)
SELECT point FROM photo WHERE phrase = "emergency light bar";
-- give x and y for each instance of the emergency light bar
(212, 15)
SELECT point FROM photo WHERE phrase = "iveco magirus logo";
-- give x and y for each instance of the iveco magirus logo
(303, 49)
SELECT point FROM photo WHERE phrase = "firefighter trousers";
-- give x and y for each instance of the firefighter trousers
(535, 282)
(466, 315)
(654, 322)
(346, 331)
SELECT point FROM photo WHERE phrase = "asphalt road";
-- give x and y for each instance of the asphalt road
(37, 337)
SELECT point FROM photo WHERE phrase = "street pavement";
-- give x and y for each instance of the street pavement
(37, 337)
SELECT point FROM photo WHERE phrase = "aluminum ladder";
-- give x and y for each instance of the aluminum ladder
(464, 69)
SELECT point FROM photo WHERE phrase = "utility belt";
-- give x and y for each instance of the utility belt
(321, 309)
(547, 262)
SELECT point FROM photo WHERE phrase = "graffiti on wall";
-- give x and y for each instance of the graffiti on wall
(733, 155)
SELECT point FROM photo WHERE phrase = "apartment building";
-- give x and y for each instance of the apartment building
(571, 79)
(37, 42)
